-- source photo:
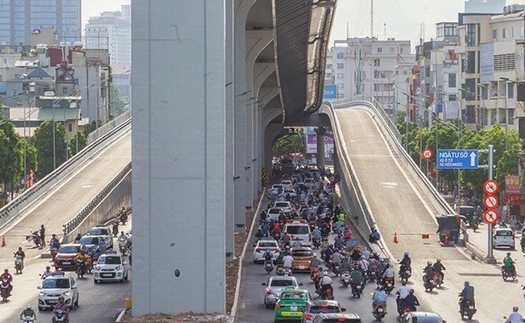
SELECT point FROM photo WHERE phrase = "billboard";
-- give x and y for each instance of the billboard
(486, 62)
(330, 92)
(311, 142)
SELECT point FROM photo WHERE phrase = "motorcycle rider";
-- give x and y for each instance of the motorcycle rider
(288, 261)
(428, 272)
(467, 294)
(514, 317)
(363, 265)
(314, 263)
(78, 237)
(22, 255)
(316, 234)
(328, 253)
(9, 277)
(410, 301)
(405, 263)
(58, 272)
(28, 311)
(47, 273)
(402, 293)
(339, 242)
(325, 283)
(356, 276)
(81, 256)
(268, 255)
(379, 298)
(389, 274)
(508, 262)
(115, 223)
(61, 305)
(438, 268)
(336, 258)
(285, 239)
(123, 215)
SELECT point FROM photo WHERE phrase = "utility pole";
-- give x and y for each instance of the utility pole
(372, 18)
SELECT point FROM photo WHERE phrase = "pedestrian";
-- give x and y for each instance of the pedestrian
(42, 235)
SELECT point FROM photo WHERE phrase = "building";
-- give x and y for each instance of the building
(366, 67)
(484, 6)
(20, 19)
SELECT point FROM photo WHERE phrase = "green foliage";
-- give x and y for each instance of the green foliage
(43, 141)
(10, 156)
(118, 106)
(289, 143)
(90, 127)
(82, 142)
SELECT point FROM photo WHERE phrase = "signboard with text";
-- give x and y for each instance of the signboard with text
(457, 158)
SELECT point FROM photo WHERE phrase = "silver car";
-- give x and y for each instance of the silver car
(111, 267)
(274, 286)
(317, 307)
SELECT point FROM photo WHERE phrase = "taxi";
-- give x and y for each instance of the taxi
(301, 258)
(291, 304)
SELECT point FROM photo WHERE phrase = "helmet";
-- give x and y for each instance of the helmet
(331, 245)
(411, 291)
(82, 251)
(29, 306)
(515, 308)
(404, 283)
(325, 273)
(315, 255)
(467, 283)
(438, 260)
(429, 263)
(405, 254)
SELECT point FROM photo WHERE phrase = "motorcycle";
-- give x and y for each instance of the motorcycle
(4, 289)
(316, 243)
(81, 268)
(124, 218)
(405, 273)
(379, 312)
(115, 229)
(287, 272)
(35, 238)
(437, 280)
(388, 285)
(428, 282)
(474, 225)
(28, 319)
(336, 269)
(123, 245)
(357, 289)
(345, 279)
(506, 273)
(18, 264)
(327, 292)
(60, 316)
(268, 266)
(467, 308)
(371, 275)
(280, 270)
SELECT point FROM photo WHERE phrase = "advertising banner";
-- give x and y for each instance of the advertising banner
(512, 184)
(311, 142)
(486, 64)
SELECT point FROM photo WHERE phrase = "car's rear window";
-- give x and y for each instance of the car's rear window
(297, 229)
(97, 232)
(55, 283)
(324, 309)
(88, 240)
(506, 233)
(282, 283)
(294, 295)
(426, 320)
(466, 210)
(301, 253)
(282, 204)
(267, 244)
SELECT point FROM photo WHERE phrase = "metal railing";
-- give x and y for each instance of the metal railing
(107, 127)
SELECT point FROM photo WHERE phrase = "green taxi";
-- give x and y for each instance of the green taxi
(291, 304)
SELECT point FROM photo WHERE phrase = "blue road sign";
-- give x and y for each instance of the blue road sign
(457, 158)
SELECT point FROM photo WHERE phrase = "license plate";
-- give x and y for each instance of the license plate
(471, 307)
(52, 302)
(431, 281)
(408, 271)
(389, 285)
(292, 314)
(66, 262)
(380, 309)
(106, 275)
(301, 267)
(346, 280)
(293, 308)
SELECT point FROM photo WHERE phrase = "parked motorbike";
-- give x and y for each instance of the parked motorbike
(506, 273)
(28, 319)
(81, 268)
(357, 289)
(4, 289)
(379, 312)
(388, 285)
(18, 264)
(268, 266)
(466, 308)
(60, 316)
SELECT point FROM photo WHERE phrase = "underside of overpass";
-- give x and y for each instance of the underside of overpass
(214, 85)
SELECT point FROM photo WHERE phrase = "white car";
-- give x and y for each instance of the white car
(273, 214)
(274, 286)
(504, 237)
(299, 230)
(276, 188)
(286, 183)
(415, 317)
(283, 205)
(290, 191)
(111, 267)
(309, 182)
(260, 249)
(105, 232)
(55, 286)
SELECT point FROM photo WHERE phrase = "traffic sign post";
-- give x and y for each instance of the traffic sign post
(490, 217)
(491, 186)
(490, 202)
(457, 159)
(427, 154)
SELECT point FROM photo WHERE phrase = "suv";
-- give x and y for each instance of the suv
(105, 232)
(335, 318)
(299, 230)
(111, 267)
(504, 237)
(55, 286)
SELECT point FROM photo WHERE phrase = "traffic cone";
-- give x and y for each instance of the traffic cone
(3, 241)
(395, 237)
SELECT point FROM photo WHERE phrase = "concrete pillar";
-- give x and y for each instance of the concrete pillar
(179, 162)
(230, 189)
(267, 114)
(269, 131)
(241, 174)
(321, 131)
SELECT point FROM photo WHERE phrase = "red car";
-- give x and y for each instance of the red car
(65, 258)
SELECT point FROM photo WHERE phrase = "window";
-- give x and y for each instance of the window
(470, 116)
(377, 62)
(376, 87)
(452, 97)
(427, 71)
(392, 49)
(380, 49)
(493, 114)
(340, 66)
(510, 113)
(495, 34)
(484, 93)
(504, 33)
(512, 32)
(510, 91)
(340, 86)
(502, 116)
(470, 37)
(470, 66)
(452, 80)
(339, 55)
(405, 72)
(70, 127)
(340, 76)
(470, 87)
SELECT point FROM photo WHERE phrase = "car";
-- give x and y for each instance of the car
(309, 182)
(290, 191)
(302, 256)
(111, 267)
(467, 211)
(65, 257)
(298, 230)
(291, 304)
(96, 245)
(274, 286)
(317, 307)
(286, 183)
(336, 318)
(285, 206)
(421, 317)
(260, 249)
(273, 214)
(103, 231)
(54, 286)
(504, 237)
(276, 188)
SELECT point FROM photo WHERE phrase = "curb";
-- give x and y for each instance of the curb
(119, 317)
(239, 273)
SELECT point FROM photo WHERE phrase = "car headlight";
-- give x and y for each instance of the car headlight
(42, 294)
(98, 268)
(66, 293)
(118, 268)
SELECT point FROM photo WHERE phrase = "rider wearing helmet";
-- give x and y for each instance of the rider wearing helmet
(438, 268)
(326, 282)
(428, 272)
(509, 264)
(467, 294)
(81, 255)
(61, 306)
(405, 263)
(514, 316)
(410, 301)
(28, 312)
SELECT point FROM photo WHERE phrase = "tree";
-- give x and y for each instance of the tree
(82, 142)
(289, 143)
(9, 154)
(43, 141)
(118, 106)
(90, 127)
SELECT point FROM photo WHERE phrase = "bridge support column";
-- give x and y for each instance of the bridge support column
(321, 132)
(178, 195)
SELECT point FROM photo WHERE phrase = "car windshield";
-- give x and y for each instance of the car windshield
(109, 260)
(282, 283)
(294, 295)
(88, 240)
(69, 249)
(275, 211)
(281, 204)
(426, 320)
(297, 229)
(324, 309)
(301, 253)
(504, 233)
(55, 283)
(267, 244)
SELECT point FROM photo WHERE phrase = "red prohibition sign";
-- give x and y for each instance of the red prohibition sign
(427, 153)
(491, 201)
